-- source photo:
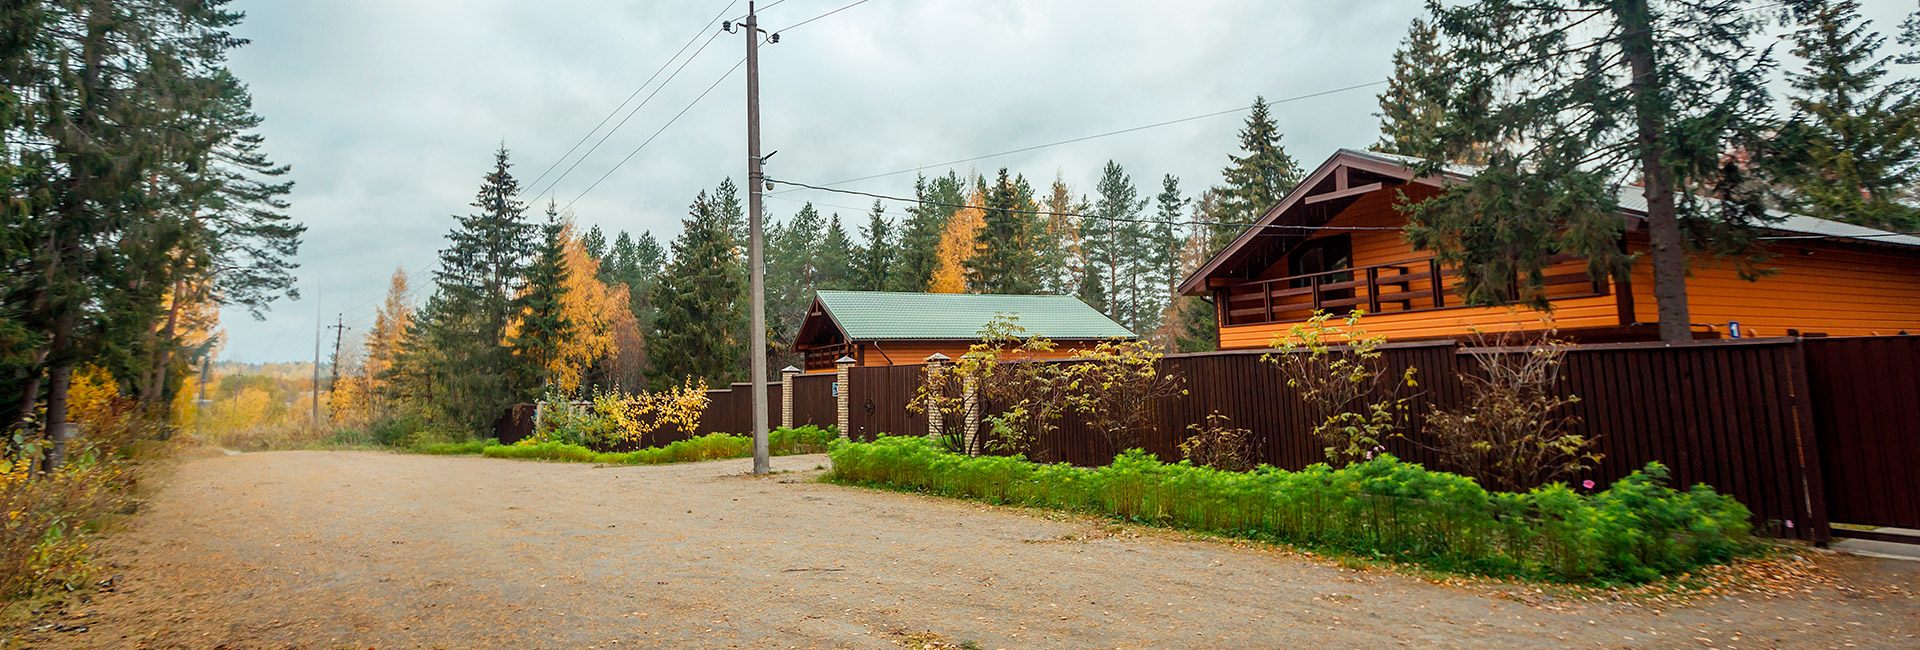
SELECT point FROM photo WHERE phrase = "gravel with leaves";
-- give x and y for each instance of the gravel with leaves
(326, 550)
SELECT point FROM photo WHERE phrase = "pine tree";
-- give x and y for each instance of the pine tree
(921, 233)
(540, 325)
(1853, 143)
(1662, 93)
(1112, 237)
(1006, 258)
(1255, 181)
(595, 244)
(874, 258)
(696, 332)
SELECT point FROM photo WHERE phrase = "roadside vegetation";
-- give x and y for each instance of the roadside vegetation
(713, 446)
(1501, 508)
(1638, 529)
(55, 516)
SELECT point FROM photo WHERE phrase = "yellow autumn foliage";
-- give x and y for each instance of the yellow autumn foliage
(957, 246)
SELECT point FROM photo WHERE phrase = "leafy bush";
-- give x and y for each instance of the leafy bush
(1511, 434)
(1354, 404)
(1637, 530)
(1114, 384)
(612, 418)
(713, 446)
(1219, 445)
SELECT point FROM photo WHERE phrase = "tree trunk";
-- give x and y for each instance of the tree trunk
(59, 378)
(1669, 255)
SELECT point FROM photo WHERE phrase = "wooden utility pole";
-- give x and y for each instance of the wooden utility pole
(339, 328)
(317, 330)
(756, 181)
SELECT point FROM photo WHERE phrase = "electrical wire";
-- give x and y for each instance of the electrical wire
(1050, 213)
(656, 134)
(803, 22)
(623, 121)
(1107, 134)
(636, 93)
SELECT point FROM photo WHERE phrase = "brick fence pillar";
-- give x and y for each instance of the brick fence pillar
(787, 376)
(843, 366)
(936, 379)
(970, 408)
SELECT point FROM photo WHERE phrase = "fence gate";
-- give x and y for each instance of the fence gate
(1865, 394)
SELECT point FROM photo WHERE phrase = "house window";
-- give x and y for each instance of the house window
(1322, 255)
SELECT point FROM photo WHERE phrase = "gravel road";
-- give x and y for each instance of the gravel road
(329, 550)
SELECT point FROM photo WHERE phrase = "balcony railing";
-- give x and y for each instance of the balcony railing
(1400, 286)
(1382, 288)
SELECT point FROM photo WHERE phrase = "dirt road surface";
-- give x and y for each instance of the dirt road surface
(328, 550)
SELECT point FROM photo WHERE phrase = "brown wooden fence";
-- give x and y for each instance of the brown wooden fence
(1801, 431)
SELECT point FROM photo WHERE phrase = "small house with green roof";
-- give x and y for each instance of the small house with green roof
(882, 328)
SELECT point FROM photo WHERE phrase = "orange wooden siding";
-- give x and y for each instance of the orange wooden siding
(1371, 247)
(1816, 289)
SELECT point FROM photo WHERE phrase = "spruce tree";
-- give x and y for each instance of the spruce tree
(1412, 106)
(541, 325)
(695, 332)
(1256, 180)
(1005, 260)
(481, 270)
(920, 235)
(793, 276)
(1853, 142)
(874, 258)
(834, 256)
(1660, 93)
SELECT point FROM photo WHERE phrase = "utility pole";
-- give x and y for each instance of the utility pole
(339, 329)
(317, 330)
(756, 181)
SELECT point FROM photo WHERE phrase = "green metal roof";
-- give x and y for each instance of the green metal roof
(884, 315)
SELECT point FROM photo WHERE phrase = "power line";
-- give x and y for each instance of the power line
(636, 93)
(803, 22)
(656, 134)
(1108, 134)
(770, 5)
(963, 206)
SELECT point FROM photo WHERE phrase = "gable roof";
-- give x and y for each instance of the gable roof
(886, 315)
(1397, 169)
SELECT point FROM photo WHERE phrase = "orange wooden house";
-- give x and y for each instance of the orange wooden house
(1829, 278)
(884, 328)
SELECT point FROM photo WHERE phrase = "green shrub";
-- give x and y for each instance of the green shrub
(1637, 530)
(713, 446)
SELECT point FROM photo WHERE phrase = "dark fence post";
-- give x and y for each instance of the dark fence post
(1807, 435)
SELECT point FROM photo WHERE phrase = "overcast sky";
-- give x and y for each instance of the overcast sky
(389, 110)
